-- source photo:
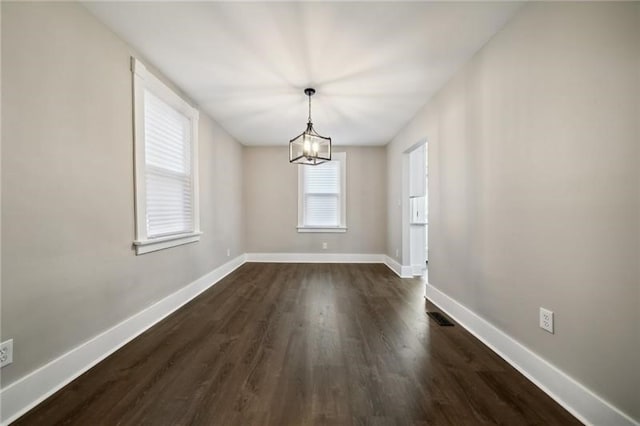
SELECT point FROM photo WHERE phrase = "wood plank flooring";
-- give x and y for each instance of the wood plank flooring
(303, 344)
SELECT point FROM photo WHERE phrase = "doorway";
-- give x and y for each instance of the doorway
(415, 221)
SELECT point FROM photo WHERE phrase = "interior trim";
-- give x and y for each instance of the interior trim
(403, 271)
(315, 257)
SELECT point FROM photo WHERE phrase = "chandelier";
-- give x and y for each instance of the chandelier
(309, 147)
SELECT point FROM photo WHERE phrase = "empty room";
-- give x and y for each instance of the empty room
(320, 213)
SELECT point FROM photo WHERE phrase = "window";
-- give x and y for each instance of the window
(166, 165)
(322, 196)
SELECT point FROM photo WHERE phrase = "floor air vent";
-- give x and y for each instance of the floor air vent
(440, 319)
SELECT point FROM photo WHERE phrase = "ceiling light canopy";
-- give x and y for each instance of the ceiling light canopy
(309, 147)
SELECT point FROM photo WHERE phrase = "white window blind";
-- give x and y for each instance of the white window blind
(167, 169)
(321, 194)
(166, 165)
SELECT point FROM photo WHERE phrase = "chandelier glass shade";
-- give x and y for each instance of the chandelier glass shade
(309, 147)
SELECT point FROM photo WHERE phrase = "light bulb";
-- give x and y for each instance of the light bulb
(305, 146)
(315, 148)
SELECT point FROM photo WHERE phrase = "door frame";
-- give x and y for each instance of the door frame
(406, 178)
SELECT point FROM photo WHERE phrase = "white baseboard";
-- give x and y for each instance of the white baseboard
(417, 270)
(315, 257)
(588, 407)
(403, 271)
(27, 392)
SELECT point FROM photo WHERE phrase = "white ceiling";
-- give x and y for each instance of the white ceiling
(246, 64)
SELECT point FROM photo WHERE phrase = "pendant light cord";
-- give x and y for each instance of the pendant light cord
(309, 108)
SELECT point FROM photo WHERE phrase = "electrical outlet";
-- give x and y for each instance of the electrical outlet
(228, 252)
(546, 320)
(6, 353)
(324, 246)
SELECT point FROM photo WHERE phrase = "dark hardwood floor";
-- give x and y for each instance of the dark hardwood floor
(303, 344)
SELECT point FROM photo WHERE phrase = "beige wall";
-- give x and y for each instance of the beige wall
(68, 269)
(534, 188)
(271, 199)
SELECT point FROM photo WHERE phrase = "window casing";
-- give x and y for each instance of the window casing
(166, 165)
(322, 196)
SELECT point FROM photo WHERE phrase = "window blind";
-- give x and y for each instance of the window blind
(321, 201)
(169, 189)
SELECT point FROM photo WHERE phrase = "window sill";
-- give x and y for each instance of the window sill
(155, 244)
(324, 229)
